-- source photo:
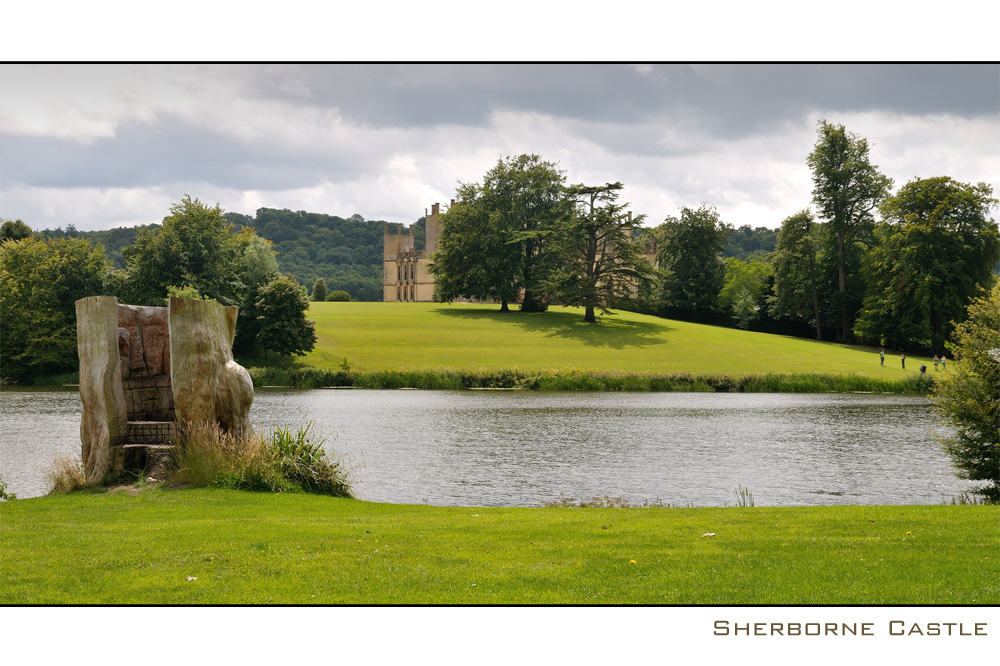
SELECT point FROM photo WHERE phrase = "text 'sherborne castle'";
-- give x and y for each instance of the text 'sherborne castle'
(405, 274)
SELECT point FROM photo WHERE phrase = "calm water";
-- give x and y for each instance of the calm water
(490, 448)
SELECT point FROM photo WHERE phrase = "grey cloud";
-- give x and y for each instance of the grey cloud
(725, 100)
(170, 150)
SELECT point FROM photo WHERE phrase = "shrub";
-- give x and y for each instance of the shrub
(969, 400)
(339, 295)
(319, 290)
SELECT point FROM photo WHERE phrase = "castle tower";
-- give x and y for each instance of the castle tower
(432, 228)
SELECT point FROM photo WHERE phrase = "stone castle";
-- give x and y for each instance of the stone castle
(405, 276)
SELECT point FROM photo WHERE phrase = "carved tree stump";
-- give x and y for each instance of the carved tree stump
(209, 386)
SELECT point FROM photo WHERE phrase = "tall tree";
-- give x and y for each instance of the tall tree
(935, 251)
(688, 248)
(494, 241)
(597, 262)
(796, 294)
(40, 282)
(281, 307)
(847, 188)
(969, 401)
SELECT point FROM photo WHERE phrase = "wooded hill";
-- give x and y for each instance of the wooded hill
(347, 253)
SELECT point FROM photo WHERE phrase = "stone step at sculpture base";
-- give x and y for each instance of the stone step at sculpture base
(148, 446)
(153, 449)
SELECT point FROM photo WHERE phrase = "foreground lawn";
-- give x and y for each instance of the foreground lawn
(386, 336)
(299, 549)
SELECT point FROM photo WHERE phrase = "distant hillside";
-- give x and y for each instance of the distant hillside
(113, 240)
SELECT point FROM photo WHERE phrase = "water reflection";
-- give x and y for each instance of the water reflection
(520, 448)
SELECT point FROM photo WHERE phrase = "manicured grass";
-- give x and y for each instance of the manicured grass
(392, 336)
(260, 548)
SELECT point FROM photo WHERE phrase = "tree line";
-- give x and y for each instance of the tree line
(194, 254)
(869, 266)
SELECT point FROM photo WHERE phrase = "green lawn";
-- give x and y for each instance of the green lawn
(262, 548)
(384, 336)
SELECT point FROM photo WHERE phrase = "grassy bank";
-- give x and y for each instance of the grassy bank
(377, 337)
(260, 548)
(586, 380)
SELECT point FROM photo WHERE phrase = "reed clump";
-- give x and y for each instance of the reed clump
(278, 461)
(65, 475)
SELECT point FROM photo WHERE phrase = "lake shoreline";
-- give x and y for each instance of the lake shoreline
(573, 379)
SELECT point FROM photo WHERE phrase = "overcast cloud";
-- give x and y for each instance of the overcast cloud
(111, 145)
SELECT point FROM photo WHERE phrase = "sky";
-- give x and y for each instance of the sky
(101, 146)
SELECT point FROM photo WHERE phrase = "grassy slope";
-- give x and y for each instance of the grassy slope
(262, 548)
(382, 336)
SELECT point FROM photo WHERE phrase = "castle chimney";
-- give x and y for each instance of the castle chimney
(435, 208)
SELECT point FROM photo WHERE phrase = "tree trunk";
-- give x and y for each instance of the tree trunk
(588, 315)
(503, 305)
(529, 303)
(282, 359)
(812, 279)
(845, 317)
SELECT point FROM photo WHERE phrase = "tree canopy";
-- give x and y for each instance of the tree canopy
(40, 282)
(193, 248)
(688, 249)
(494, 241)
(14, 230)
(935, 251)
(746, 287)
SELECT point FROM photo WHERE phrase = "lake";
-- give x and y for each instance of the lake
(519, 448)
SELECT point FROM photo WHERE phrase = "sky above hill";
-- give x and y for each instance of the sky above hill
(99, 146)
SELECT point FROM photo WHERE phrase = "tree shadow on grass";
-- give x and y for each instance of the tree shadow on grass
(608, 331)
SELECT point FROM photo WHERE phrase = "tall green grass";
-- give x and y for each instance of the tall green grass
(279, 461)
(573, 379)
